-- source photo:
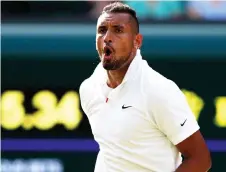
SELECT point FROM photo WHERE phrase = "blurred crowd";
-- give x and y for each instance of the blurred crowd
(212, 10)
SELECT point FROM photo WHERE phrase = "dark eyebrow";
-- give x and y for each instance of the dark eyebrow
(115, 26)
(118, 26)
(102, 27)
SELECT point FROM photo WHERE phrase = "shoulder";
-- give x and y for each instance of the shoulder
(86, 92)
(84, 87)
(88, 84)
(158, 88)
(88, 89)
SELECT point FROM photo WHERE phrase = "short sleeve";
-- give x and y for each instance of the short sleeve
(173, 115)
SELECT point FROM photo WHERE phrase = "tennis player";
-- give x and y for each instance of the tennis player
(139, 118)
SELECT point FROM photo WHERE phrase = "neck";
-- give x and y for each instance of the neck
(115, 77)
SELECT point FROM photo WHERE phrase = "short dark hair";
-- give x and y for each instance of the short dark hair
(118, 7)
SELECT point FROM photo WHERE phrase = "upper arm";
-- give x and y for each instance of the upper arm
(194, 146)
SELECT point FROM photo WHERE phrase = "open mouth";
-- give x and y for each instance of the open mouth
(107, 51)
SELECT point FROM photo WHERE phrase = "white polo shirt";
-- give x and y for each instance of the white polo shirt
(142, 121)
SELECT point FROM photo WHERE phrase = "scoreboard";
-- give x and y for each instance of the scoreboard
(46, 104)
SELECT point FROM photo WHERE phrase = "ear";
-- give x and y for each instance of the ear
(138, 41)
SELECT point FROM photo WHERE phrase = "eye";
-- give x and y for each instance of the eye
(118, 30)
(101, 30)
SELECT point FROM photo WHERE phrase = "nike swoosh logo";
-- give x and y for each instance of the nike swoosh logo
(183, 122)
(125, 107)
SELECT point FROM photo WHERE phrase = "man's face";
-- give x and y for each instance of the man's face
(115, 40)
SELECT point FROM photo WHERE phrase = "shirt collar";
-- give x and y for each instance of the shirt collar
(101, 74)
(133, 67)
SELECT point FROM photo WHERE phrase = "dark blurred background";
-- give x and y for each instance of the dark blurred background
(88, 11)
(48, 49)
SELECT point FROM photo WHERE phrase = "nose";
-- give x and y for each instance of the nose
(108, 37)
